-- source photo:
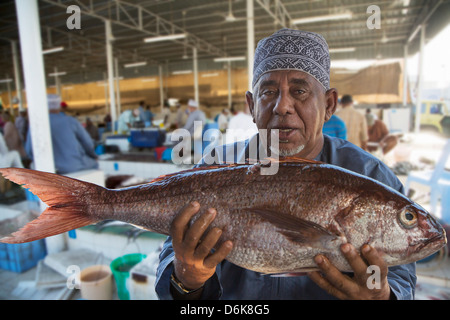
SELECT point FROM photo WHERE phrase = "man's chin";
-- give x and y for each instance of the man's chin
(287, 152)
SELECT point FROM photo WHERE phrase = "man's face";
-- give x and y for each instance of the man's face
(297, 105)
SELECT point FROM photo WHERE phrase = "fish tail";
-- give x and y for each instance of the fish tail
(67, 198)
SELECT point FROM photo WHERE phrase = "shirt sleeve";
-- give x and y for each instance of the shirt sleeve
(402, 280)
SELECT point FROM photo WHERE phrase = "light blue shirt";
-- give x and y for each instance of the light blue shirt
(196, 115)
(335, 127)
(233, 282)
(73, 148)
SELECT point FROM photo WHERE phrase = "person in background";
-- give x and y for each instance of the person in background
(240, 126)
(107, 121)
(141, 110)
(195, 114)
(12, 136)
(22, 124)
(2, 123)
(92, 129)
(335, 127)
(73, 148)
(182, 114)
(355, 122)
(126, 120)
(147, 116)
(64, 107)
(223, 119)
(379, 133)
(8, 158)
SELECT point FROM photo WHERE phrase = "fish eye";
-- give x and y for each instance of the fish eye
(408, 218)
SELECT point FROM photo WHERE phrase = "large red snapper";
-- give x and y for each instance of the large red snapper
(277, 223)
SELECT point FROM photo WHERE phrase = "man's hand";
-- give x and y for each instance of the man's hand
(194, 263)
(344, 287)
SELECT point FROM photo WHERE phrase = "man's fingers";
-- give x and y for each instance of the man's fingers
(374, 258)
(334, 276)
(214, 259)
(207, 244)
(325, 284)
(358, 265)
(181, 222)
(196, 230)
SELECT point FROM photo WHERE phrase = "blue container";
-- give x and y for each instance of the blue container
(31, 197)
(22, 256)
(145, 138)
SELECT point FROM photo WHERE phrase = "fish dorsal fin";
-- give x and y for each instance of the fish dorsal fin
(294, 228)
(233, 164)
(197, 169)
(296, 160)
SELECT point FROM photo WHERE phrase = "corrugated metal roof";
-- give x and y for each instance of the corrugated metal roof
(215, 27)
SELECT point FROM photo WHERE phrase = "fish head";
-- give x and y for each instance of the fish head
(424, 234)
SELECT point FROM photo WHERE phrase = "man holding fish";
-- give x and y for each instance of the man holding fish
(238, 231)
(291, 96)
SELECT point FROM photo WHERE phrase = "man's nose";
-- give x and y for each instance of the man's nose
(284, 105)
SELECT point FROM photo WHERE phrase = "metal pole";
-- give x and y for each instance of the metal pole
(194, 58)
(405, 76)
(110, 61)
(161, 87)
(57, 82)
(11, 106)
(420, 84)
(33, 66)
(17, 73)
(250, 42)
(119, 106)
(229, 84)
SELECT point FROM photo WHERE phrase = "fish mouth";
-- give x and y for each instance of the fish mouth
(434, 243)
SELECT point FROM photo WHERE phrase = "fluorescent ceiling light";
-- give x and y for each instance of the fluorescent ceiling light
(339, 16)
(56, 74)
(224, 59)
(350, 49)
(148, 80)
(207, 75)
(6, 80)
(135, 64)
(182, 72)
(52, 50)
(165, 38)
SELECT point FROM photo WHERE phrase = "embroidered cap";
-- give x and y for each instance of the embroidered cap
(289, 49)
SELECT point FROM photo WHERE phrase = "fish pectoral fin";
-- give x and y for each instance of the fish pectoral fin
(294, 228)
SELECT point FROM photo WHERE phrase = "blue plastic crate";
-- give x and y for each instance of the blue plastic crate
(145, 138)
(22, 256)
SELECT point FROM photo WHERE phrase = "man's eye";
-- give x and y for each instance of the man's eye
(268, 92)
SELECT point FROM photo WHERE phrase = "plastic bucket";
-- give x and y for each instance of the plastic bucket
(96, 283)
(120, 268)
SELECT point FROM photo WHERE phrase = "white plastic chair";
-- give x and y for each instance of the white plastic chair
(432, 178)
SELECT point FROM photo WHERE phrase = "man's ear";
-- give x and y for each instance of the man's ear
(250, 103)
(331, 98)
